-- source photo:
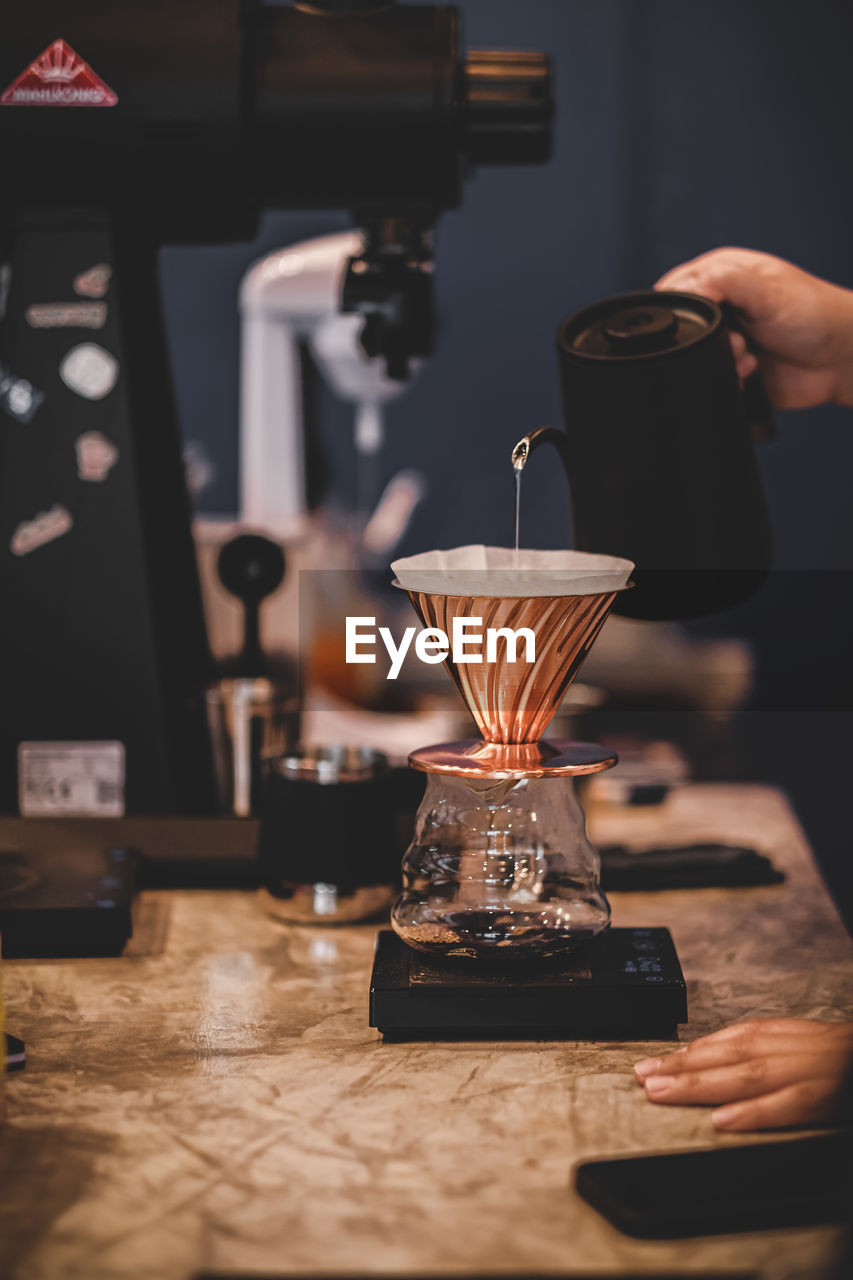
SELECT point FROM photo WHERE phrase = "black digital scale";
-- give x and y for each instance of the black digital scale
(627, 985)
(66, 902)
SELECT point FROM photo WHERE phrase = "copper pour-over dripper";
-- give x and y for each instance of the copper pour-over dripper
(514, 702)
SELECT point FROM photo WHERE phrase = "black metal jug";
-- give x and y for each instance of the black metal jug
(659, 452)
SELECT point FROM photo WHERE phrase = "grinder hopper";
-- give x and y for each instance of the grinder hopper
(500, 863)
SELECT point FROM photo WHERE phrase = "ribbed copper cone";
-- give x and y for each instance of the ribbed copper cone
(515, 702)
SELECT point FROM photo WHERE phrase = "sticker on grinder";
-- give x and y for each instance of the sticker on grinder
(58, 78)
(29, 535)
(94, 282)
(89, 370)
(96, 456)
(72, 779)
(18, 397)
(66, 315)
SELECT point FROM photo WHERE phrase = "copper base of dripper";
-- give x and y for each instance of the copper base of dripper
(474, 758)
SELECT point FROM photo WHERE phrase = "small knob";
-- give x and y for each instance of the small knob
(251, 567)
(640, 329)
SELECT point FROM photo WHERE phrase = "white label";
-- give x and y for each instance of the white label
(71, 779)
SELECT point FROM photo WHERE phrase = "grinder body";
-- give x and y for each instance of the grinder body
(224, 107)
(124, 127)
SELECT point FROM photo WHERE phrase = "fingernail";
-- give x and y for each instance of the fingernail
(647, 1067)
(657, 1086)
(724, 1116)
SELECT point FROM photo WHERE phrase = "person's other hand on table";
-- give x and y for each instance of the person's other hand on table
(800, 326)
(765, 1074)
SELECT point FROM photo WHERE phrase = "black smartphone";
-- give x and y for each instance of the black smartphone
(789, 1183)
(16, 1054)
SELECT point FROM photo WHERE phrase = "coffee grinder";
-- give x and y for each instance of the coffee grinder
(501, 929)
(123, 128)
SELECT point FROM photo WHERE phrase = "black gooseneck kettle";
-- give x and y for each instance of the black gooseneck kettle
(658, 449)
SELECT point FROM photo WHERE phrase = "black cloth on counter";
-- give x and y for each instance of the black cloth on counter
(696, 866)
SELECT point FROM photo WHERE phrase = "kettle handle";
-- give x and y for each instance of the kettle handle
(756, 402)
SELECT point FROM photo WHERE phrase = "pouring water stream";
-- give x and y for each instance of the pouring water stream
(521, 455)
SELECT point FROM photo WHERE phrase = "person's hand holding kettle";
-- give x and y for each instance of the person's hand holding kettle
(799, 328)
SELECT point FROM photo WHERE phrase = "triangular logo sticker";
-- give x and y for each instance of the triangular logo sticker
(58, 78)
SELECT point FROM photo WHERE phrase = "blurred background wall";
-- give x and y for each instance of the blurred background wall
(680, 126)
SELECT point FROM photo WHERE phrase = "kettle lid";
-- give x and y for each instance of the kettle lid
(637, 325)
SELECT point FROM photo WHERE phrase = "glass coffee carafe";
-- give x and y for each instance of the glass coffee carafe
(500, 865)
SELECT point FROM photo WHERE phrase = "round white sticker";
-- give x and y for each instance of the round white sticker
(89, 370)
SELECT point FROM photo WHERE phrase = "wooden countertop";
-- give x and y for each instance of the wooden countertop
(215, 1100)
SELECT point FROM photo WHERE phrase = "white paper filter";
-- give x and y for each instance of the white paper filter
(494, 571)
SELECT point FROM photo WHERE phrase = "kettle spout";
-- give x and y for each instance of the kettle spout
(528, 445)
